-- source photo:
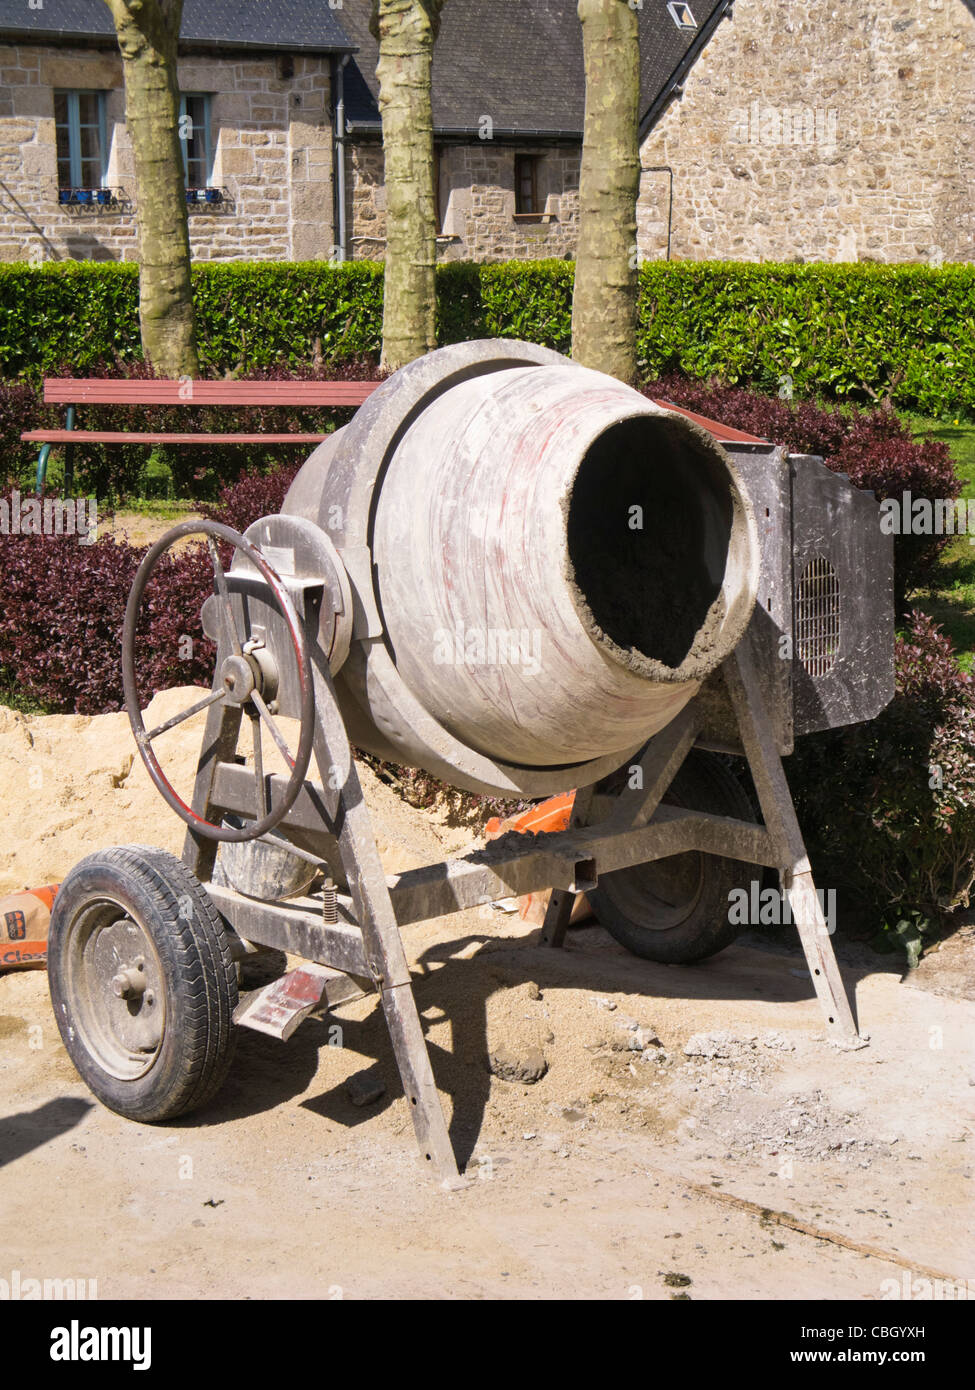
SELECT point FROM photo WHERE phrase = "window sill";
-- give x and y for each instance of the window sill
(532, 217)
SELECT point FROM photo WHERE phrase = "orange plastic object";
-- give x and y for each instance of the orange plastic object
(24, 921)
(545, 818)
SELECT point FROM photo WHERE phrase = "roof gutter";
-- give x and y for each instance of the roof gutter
(109, 40)
(674, 86)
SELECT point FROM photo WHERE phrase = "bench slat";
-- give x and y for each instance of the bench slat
(130, 437)
(98, 391)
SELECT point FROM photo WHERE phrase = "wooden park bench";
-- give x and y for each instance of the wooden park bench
(73, 392)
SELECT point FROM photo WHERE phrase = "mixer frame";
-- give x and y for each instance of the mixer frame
(362, 950)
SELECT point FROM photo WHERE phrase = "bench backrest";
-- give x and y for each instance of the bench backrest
(67, 390)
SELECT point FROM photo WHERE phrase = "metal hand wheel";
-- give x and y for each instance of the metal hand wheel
(246, 680)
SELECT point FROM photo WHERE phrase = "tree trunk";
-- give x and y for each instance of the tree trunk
(407, 30)
(605, 295)
(148, 32)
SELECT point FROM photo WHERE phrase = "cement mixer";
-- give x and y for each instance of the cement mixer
(524, 577)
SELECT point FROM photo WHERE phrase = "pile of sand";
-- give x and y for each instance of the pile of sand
(71, 784)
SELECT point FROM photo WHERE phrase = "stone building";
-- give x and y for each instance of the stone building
(776, 131)
(822, 132)
(256, 116)
(770, 130)
(508, 107)
(282, 133)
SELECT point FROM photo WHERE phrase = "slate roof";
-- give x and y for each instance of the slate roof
(265, 24)
(520, 62)
(517, 61)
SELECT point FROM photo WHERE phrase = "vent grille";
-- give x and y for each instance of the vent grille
(818, 616)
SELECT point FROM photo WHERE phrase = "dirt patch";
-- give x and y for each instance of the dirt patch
(949, 968)
(139, 530)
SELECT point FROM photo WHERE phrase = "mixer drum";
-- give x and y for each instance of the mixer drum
(554, 566)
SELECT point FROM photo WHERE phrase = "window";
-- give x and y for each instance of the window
(681, 15)
(79, 122)
(194, 137)
(440, 178)
(526, 184)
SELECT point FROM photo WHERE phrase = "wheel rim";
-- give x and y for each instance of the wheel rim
(661, 895)
(115, 987)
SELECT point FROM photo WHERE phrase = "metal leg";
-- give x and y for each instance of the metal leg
(41, 476)
(562, 900)
(419, 1087)
(635, 806)
(557, 914)
(380, 931)
(783, 827)
(69, 455)
(659, 765)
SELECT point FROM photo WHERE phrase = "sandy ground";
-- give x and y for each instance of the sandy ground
(724, 1151)
(138, 529)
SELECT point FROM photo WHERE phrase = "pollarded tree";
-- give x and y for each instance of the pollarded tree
(605, 294)
(407, 31)
(148, 34)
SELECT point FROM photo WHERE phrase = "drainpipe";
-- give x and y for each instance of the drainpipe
(338, 163)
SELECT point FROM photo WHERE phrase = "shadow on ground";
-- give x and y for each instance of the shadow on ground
(267, 1073)
(22, 1133)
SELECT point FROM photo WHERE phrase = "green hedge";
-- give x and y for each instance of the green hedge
(838, 331)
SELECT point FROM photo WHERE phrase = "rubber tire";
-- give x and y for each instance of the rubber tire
(704, 783)
(200, 977)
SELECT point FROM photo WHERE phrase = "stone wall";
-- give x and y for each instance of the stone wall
(822, 133)
(477, 201)
(272, 147)
(804, 133)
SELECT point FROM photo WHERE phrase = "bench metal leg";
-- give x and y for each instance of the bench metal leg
(41, 475)
(69, 455)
